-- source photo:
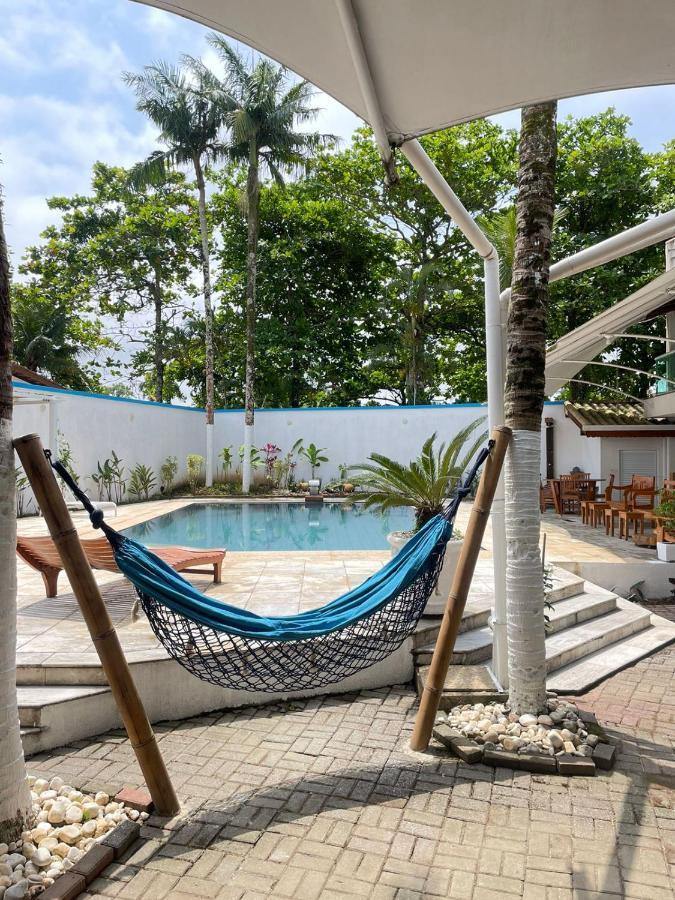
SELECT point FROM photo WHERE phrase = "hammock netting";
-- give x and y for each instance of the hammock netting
(240, 650)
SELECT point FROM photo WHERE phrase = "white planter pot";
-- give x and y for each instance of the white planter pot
(665, 552)
(314, 485)
(436, 603)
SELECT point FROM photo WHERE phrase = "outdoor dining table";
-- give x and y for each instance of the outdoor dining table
(555, 489)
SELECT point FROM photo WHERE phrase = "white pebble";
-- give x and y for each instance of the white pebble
(102, 798)
(74, 815)
(56, 783)
(42, 857)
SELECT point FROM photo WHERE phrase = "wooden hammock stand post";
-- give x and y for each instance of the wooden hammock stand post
(102, 631)
(454, 609)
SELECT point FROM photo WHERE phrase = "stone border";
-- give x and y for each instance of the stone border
(472, 752)
(72, 883)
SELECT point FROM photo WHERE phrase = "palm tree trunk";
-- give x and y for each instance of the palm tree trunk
(525, 361)
(208, 317)
(159, 339)
(253, 203)
(15, 803)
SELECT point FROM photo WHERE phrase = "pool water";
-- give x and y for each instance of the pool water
(273, 526)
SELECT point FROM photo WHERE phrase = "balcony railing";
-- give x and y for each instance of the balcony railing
(665, 367)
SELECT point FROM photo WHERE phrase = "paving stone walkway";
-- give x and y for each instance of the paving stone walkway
(322, 799)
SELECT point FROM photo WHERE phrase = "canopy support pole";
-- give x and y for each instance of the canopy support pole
(494, 351)
(454, 610)
(102, 631)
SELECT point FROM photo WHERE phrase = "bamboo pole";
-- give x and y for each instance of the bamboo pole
(102, 631)
(454, 610)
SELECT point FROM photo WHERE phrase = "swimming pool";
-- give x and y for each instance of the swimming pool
(273, 526)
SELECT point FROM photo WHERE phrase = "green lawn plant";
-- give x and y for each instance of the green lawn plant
(425, 483)
(195, 470)
(167, 474)
(142, 481)
(314, 456)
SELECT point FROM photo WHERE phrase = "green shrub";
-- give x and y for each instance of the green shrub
(195, 470)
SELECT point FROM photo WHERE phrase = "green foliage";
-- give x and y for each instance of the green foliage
(225, 457)
(426, 482)
(142, 481)
(666, 511)
(21, 484)
(314, 456)
(195, 470)
(109, 479)
(167, 474)
(257, 461)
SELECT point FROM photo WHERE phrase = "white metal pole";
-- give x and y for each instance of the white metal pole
(494, 351)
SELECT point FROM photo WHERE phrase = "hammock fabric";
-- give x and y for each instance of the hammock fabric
(238, 649)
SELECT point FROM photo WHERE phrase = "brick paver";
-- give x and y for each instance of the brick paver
(322, 799)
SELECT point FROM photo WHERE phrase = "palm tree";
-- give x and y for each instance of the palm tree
(15, 803)
(525, 361)
(186, 107)
(262, 113)
(426, 482)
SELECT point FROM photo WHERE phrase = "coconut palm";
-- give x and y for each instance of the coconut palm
(262, 110)
(426, 482)
(525, 361)
(187, 109)
(15, 803)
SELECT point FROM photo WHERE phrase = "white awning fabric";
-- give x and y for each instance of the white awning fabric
(435, 63)
(568, 356)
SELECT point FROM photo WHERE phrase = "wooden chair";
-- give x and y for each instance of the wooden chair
(639, 495)
(574, 488)
(41, 554)
(592, 510)
(547, 497)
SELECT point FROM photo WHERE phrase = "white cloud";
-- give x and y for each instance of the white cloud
(50, 150)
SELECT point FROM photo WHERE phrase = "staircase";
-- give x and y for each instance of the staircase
(592, 634)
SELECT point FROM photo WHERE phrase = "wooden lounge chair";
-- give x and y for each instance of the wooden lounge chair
(41, 554)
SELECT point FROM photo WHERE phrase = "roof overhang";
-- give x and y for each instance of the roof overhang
(585, 343)
(436, 63)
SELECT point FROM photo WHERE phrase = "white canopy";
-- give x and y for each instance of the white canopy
(435, 63)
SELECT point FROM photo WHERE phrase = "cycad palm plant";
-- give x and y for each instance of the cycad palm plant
(262, 114)
(187, 108)
(426, 482)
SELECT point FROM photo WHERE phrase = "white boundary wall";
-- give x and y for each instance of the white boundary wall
(350, 435)
(145, 432)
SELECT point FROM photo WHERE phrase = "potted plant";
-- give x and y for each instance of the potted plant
(313, 455)
(425, 484)
(347, 486)
(665, 529)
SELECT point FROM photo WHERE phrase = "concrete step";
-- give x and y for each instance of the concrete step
(31, 739)
(573, 643)
(585, 673)
(37, 705)
(569, 609)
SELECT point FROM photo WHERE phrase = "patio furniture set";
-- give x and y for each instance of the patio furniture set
(632, 505)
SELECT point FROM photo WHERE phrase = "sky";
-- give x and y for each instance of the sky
(63, 104)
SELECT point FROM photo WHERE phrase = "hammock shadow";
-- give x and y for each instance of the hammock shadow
(339, 794)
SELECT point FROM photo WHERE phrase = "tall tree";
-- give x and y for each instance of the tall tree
(189, 114)
(263, 111)
(321, 268)
(135, 247)
(15, 805)
(525, 364)
(479, 159)
(57, 329)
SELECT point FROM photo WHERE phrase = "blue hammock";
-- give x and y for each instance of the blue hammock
(236, 648)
